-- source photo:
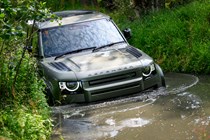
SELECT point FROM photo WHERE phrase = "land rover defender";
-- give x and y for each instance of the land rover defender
(85, 57)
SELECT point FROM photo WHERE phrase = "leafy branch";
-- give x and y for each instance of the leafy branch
(14, 16)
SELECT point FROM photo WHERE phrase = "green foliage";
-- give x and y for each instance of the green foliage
(21, 124)
(177, 39)
(60, 5)
(15, 14)
(124, 8)
(175, 3)
(25, 115)
(24, 111)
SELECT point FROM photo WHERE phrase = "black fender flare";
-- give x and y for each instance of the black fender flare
(160, 72)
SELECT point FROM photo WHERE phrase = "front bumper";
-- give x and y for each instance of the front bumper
(110, 89)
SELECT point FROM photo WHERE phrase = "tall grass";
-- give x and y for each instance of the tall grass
(178, 39)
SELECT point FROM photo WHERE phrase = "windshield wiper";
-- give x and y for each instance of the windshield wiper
(108, 45)
(75, 51)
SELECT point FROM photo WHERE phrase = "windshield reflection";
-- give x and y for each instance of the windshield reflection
(57, 41)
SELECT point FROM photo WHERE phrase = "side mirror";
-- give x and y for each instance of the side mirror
(127, 33)
(31, 51)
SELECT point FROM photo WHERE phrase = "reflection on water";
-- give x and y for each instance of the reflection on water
(176, 113)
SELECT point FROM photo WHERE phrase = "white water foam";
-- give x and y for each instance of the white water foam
(146, 96)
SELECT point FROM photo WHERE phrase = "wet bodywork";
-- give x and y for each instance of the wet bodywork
(106, 73)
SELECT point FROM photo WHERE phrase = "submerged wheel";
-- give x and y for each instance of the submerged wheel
(161, 84)
(163, 81)
(162, 78)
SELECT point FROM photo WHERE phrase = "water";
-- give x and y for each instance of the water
(179, 112)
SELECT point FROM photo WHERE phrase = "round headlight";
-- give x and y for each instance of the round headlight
(147, 71)
(72, 86)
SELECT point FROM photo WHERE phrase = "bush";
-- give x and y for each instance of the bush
(24, 111)
(21, 124)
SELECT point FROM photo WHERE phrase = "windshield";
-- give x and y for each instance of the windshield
(62, 39)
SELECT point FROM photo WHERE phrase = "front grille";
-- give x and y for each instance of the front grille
(132, 85)
(112, 79)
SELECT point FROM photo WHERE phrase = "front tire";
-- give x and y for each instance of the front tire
(49, 97)
(163, 81)
(162, 78)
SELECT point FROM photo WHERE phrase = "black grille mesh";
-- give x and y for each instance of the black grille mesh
(134, 52)
(112, 79)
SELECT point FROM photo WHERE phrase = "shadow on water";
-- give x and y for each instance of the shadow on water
(177, 112)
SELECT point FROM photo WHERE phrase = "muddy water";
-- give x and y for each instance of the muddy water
(179, 112)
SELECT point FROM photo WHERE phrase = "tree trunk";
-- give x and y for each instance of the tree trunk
(153, 5)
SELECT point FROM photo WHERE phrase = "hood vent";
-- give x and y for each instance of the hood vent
(60, 66)
(134, 52)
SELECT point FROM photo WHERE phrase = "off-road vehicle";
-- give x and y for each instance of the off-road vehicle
(85, 57)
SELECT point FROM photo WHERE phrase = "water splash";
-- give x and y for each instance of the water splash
(183, 87)
(146, 96)
(79, 123)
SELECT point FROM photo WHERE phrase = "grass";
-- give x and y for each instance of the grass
(177, 39)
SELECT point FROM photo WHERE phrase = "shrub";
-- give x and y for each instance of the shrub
(25, 113)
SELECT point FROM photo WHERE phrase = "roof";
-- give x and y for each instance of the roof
(71, 17)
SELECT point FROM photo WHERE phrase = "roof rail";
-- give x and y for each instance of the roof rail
(73, 13)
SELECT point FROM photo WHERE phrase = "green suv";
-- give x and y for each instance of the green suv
(85, 58)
